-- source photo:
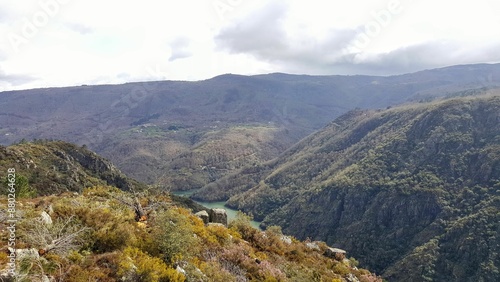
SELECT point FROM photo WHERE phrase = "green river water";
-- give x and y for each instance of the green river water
(231, 213)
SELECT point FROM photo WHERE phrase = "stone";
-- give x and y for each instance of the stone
(312, 246)
(180, 270)
(335, 253)
(218, 216)
(286, 239)
(45, 218)
(26, 254)
(204, 216)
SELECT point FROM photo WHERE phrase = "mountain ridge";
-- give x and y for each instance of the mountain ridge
(148, 128)
(389, 185)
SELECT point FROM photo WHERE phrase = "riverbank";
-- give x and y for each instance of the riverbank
(231, 213)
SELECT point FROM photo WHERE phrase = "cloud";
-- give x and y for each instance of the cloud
(417, 57)
(80, 28)
(264, 35)
(180, 48)
(7, 80)
(261, 33)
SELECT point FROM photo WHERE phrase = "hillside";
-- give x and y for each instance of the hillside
(184, 135)
(93, 234)
(413, 188)
(51, 167)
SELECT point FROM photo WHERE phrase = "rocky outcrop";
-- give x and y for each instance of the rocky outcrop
(204, 216)
(218, 216)
(45, 218)
(335, 253)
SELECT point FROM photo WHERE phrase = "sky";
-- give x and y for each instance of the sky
(46, 43)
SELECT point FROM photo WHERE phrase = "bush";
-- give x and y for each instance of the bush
(136, 266)
(173, 235)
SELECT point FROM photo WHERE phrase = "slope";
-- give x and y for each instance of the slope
(149, 129)
(46, 168)
(415, 187)
(84, 229)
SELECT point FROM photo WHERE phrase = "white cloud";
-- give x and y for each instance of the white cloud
(115, 41)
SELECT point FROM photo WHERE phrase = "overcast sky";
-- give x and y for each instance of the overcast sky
(73, 42)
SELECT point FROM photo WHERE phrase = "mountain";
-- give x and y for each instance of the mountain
(412, 191)
(83, 228)
(184, 135)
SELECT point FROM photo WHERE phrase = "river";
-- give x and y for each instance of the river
(231, 213)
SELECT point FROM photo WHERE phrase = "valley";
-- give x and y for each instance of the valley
(402, 172)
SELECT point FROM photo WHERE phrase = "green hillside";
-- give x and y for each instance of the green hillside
(412, 191)
(50, 167)
(84, 229)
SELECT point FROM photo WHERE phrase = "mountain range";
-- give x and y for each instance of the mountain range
(402, 172)
(413, 188)
(183, 135)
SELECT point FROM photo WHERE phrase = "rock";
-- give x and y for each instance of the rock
(312, 246)
(26, 254)
(204, 216)
(218, 216)
(45, 218)
(351, 278)
(335, 253)
(286, 239)
(180, 270)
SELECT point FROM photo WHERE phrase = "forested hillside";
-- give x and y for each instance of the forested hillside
(184, 135)
(412, 191)
(84, 230)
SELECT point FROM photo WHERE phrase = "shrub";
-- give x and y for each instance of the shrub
(135, 265)
(173, 235)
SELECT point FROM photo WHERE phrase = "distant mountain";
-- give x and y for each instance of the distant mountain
(184, 135)
(413, 191)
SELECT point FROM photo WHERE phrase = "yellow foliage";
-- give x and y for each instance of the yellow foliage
(136, 265)
(75, 257)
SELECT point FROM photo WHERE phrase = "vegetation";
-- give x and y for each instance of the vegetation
(48, 167)
(414, 187)
(162, 132)
(96, 234)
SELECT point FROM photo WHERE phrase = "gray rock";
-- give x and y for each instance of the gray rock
(286, 239)
(204, 216)
(218, 216)
(312, 246)
(26, 254)
(335, 253)
(45, 218)
(180, 270)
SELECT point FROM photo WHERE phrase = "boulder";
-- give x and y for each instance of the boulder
(286, 239)
(335, 253)
(45, 218)
(312, 246)
(180, 270)
(204, 216)
(218, 216)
